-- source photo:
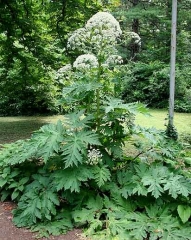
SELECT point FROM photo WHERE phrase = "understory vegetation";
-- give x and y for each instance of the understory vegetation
(78, 173)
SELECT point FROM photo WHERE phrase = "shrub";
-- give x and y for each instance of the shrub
(147, 83)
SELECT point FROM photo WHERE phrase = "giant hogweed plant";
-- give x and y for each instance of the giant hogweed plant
(76, 173)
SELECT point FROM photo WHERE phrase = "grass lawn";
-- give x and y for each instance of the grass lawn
(182, 121)
(15, 128)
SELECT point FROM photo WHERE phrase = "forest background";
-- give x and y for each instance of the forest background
(33, 37)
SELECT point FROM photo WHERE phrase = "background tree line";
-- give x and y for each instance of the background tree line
(33, 38)
(148, 70)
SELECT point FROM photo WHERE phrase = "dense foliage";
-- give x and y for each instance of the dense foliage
(79, 172)
(149, 72)
(32, 38)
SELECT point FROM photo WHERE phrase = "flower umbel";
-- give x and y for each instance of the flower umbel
(64, 73)
(85, 61)
(100, 33)
(134, 37)
(114, 60)
(94, 156)
(77, 39)
(63, 70)
(104, 22)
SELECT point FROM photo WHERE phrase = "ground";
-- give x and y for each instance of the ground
(9, 232)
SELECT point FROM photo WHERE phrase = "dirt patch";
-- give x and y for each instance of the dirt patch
(10, 232)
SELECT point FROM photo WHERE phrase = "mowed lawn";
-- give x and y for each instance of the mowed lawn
(158, 119)
(15, 128)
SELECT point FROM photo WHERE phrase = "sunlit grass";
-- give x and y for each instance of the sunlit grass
(158, 119)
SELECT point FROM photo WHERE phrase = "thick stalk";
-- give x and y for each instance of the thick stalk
(98, 108)
(98, 97)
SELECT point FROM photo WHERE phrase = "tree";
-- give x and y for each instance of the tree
(33, 36)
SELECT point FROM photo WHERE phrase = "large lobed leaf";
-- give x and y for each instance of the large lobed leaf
(75, 147)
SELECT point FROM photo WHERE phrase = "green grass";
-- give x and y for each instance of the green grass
(15, 128)
(182, 121)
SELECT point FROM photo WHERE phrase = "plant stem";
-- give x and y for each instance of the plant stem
(98, 108)
(98, 97)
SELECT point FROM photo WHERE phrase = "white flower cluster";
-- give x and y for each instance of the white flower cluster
(77, 39)
(135, 37)
(114, 59)
(94, 156)
(64, 72)
(85, 62)
(105, 23)
(102, 30)
(65, 68)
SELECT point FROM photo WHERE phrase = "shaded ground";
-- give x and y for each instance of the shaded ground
(9, 232)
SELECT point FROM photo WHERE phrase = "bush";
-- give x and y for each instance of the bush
(31, 101)
(30, 90)
(147, 83)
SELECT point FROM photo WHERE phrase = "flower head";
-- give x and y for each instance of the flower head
(64, 73)
(114, 59)
(77, 39)
(94, 156)
(65, 69)
(104, 22)
(85, 61)
(134, 37)
(101, 32)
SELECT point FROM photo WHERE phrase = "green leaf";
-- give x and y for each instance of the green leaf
(115, 103)
(53, 197)
(14, 195)
(177, 234)
(138, 227)
(4, 195)
(176, 185)
(117, 226)
(94, 225)
(83, 215)
(89, 138)
(2, 182)
(79, 90)
(77, 120)
(60, 225)
(49, 139)
(75, 147)
(44, 143)
(101, 175)
(184, 212)
(125, 204)
(72, 151)
(154, 179)
(127, 185)
(95, 204)
(187, 160)
(172, 185)
(71, 178)
(139, 189)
